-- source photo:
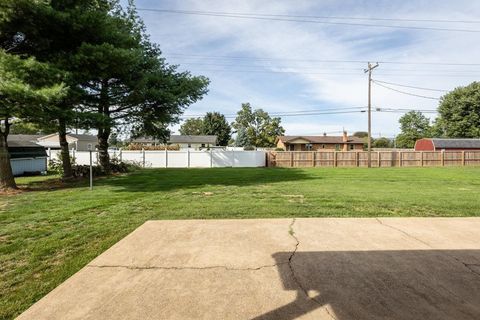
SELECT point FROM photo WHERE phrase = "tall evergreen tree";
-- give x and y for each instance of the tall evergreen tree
(25, 93)
(214, 123)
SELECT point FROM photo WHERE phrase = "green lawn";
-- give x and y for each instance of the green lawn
(51, 231)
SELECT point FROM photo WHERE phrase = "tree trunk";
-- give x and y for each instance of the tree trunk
(7, 181)
(104, 130)
(66, 163)
(103, 156)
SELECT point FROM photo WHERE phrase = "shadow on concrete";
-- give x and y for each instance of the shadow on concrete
(411, 284)
(153, 180)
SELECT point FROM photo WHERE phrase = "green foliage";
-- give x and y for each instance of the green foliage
(249, 148)
(215, 123)
(360, 134)
(192, 127)
(414, 126)
(459, 113)
(382, 143)
(24, 127)
(242, 138)
(55, 165)
(260, 128)
(27, 87)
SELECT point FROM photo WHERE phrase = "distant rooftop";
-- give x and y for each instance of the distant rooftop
(322, 139)
(193, 139)
(456, 143)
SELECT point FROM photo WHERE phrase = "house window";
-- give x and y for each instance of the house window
(203, 145)
(89, 146)
(337, 147)
(323, 146)
(308, 146)
(352, 147)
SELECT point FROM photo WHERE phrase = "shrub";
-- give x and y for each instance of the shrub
(249, 148)
(55, 164)
(279, 149)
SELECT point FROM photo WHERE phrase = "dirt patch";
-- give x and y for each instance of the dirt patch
(295, 198)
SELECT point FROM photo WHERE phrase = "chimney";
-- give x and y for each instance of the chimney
(345, 136)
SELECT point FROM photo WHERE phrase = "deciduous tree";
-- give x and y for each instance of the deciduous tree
(192, 127)
(414, 126)
(260, 128)
(24, 95)
(459, 113)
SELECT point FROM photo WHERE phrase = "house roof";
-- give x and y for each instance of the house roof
(24, 149)
(24, 137)
(456, 143)
(82, 137)
(322, 139)
(146, 140)
(192, 139)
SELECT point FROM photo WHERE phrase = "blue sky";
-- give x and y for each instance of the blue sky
(201, 43)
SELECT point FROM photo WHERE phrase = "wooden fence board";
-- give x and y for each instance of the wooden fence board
(304, 159)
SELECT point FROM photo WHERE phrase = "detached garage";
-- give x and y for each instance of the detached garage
(434, 144)
(27, 157)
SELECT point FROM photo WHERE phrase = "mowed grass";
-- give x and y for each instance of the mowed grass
(51, 231)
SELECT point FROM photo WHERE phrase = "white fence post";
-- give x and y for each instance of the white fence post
(143, 157)
(211, 158)
(120, 154)
(188, 158)
(233, 158)
(166, 157)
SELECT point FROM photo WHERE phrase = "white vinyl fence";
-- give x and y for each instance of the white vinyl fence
(177, 159)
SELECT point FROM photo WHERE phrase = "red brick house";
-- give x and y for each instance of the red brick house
(434, 144)
(319, 143)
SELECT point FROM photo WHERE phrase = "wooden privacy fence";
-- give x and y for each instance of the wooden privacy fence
(300, 159)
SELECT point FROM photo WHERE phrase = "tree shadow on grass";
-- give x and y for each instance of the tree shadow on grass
(370, 285)
(152, 180)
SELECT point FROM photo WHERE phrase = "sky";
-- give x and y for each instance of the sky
(288, 66)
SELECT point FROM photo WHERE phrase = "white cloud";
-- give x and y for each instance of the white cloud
(205, 35)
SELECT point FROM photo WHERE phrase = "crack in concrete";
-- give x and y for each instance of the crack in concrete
(186, 268)
(294, 277)
(466, 265)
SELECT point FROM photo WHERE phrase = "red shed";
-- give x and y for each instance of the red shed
(434, 144)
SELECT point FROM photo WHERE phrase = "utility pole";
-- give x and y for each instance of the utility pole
(369, 70)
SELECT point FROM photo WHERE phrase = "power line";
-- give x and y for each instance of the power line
(289, 115)
(335, 73)
(273, 18)
(352, 18)
(173, 54)
(408, 86)
(315, 112)
(329, 68)
(406, 93)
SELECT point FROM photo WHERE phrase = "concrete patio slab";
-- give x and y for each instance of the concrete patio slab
(387, 268)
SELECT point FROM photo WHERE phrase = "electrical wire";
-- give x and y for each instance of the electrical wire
(272, 18)
(173, 54)
(349, 18)
(408, 86)
(404, 92)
